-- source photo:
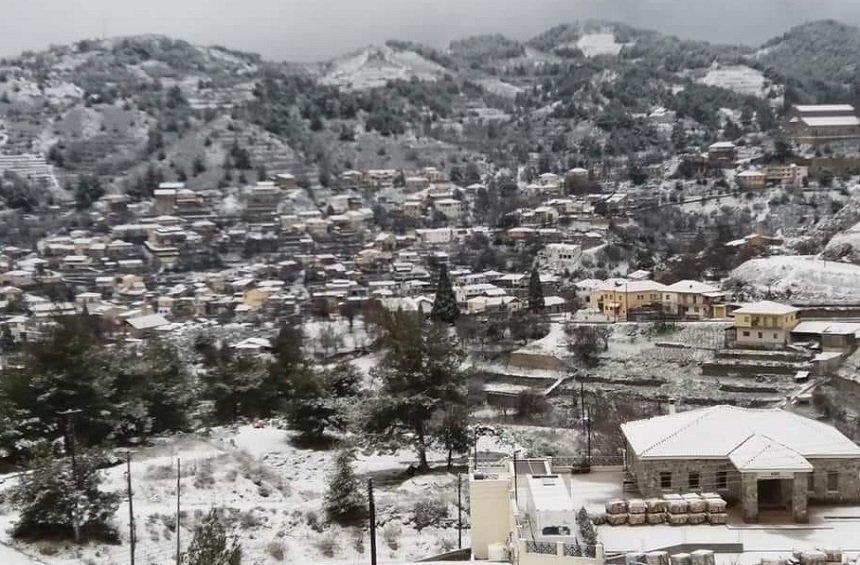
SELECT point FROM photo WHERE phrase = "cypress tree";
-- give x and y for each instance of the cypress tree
(445, 307)
(536, 302)
(344, 502)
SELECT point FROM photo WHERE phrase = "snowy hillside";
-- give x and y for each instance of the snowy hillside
(375, 66)
(594, 44)
(737, 78)
(270, 492)
(800, 278)
(845, 245)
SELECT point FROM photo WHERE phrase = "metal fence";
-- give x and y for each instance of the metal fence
(542, 547)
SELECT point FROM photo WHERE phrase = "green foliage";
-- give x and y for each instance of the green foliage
(429, 512)
(321, 400)
(485, 48)
(702, 103)
(344, 501)
(445, 307)
(819, 57)
(536, 299)
(21, 194)
(51, 499)
(586, 341)
(420, 376)
(211, 546)
(241, 386)
(89, 190)
(587, 531)
(241, 157)
(428, 53)
(636, 174)
(120, 396)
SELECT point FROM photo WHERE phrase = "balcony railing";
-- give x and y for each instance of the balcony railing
(542, 547)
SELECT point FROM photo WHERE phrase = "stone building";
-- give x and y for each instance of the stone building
(766, 460)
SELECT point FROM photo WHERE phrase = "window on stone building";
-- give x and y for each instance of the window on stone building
(832, 481)
(665, 479)
(810, 482)
(746, 334)
(722, 480)
(693, 480)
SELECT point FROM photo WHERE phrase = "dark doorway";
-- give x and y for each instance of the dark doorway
(770, 495)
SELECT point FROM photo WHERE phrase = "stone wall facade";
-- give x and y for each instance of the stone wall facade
(833, 481)
(847, 482)
(649, 476)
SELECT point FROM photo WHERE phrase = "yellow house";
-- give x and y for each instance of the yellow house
(257, 297)
(694, 299)
(764, 324)
(616, 298)
(752, 180)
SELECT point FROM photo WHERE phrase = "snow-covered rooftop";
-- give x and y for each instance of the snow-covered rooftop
(718, 431)
(830, 121)
(766, 307)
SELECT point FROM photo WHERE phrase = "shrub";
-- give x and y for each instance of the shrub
(327, 544)
(391, 535)
(428, 512)
(49, 495)
(276, 549)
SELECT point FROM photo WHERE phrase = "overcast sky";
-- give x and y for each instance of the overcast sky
(307, 30)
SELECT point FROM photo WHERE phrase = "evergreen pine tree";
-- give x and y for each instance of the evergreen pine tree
(445, 307)
(420, 376)
(344, 502)
(210, 545)
(51, 499)
(536, 302)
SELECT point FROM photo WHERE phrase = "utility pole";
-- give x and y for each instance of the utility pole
(516, 487)
(372, 512)
(459, 511)
(70, 445)
(178, 553)
(581, 399)
(588, 427)
(131, 535)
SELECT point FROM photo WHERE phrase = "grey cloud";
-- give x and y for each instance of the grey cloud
(306, 30)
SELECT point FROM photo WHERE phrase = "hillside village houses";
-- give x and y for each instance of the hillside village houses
(623, 299)
(764, 324)
(823, 124)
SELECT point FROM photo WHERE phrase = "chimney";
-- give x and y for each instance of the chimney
(672, 405)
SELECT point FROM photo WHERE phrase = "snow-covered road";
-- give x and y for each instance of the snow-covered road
(9, 556)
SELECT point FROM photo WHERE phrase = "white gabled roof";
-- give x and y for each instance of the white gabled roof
(722, 145)
(692, 286)
(766, 307)
(761, 453)
(827, 327)
(616, 285)
(147, 322)
(830, 121)
(718, 431)
(824, 107)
